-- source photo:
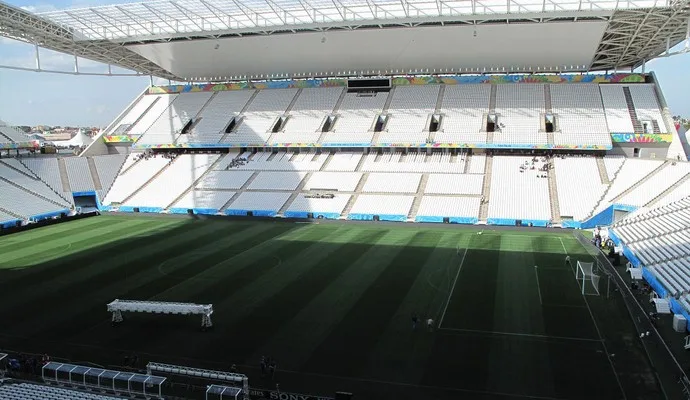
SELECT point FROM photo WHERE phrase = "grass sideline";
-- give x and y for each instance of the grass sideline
(331, 302)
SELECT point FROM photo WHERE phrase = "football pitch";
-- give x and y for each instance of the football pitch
(332, 303)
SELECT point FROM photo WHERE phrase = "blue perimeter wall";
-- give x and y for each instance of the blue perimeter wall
(256, 213)
(512, 222)
(316, 214)
(382, 217)
(200, 211)
(451, 220)
(605, 217)
(39, 217)
(10, 224)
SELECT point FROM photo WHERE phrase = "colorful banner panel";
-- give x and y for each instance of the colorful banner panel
(641, 137)
(397, 145)
(20, 145)
(120, 138)
(403, 80)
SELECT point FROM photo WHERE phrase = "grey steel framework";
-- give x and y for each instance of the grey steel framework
(637, 30)
(22, 25)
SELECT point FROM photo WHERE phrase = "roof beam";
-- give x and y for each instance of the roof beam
(163, 20)
(194, 20)
(251, 15)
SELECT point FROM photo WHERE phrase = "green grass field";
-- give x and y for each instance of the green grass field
(331, 302)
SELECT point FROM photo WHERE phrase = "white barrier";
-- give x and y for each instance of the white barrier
(238, 379)
(117, 307)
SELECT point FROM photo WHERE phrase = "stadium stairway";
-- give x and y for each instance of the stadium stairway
(641, 181)
(64, 178)
(418, 197)
(631, 110)
(553, 193)
(353, 198)
(603, 195)
(670, 189)
(439, 100)
(94, 174)
(293, 101)
(32, 192)
(212, 167)
(486, 189)
(136, 121)
(196, 119)
(361, 162)
(603, 175)
(340, 100)
(468, 160)
(375, 140)
(240, 115)
(68, 199)
(547, 98)
(153, 178)
(8, 165)
(387, 104)
(325, 163)
(239, 192)
(294, 194)
(8, 212)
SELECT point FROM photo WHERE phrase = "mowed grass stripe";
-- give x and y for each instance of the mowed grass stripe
(373, 310)
(240, 271)
(81, 244)
(181, 273)
(255, 329)
(106, 280)
(54, 272)
(124, 240)
(517, 304)
(472, 303)
(317, 318)
(235, 296)
(58, 243)
(291, 258)
(401, 355)
(36, 235)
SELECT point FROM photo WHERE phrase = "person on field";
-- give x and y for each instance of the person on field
(430, 324)
(415, 319)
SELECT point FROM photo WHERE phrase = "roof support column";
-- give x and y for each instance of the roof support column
(38, 58)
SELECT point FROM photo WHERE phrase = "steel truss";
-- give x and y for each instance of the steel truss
(30, 28)
(166, 19)
(637, 31)
(636, 36)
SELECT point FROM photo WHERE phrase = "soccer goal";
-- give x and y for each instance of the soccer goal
(587, 279)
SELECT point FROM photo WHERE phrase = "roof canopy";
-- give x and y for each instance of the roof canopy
(166, 18)
(159, 37)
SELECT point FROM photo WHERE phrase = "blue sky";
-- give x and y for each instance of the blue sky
(30, 98)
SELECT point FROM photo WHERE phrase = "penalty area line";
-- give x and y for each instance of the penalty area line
(564, 249)
(452, 289)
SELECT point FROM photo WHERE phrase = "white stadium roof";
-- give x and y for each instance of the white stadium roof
(166, 19)
(295, 38)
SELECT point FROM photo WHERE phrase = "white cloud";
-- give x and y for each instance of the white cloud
(39, 8)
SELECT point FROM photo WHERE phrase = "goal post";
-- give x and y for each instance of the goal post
(587, 279)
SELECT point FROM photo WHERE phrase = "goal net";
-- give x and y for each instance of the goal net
(587, 279)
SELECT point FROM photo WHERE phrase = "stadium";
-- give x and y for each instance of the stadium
(355, 199)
